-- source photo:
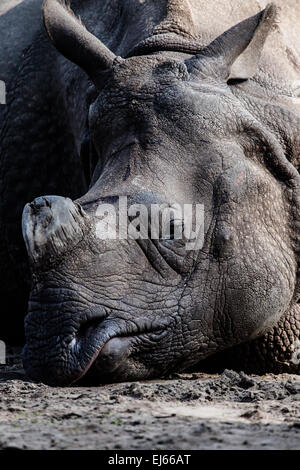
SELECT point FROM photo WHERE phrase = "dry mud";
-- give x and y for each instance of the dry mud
(187, 411)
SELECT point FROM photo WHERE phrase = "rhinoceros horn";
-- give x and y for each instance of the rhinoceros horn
(235, 54)
(52, 225)
(74, 41)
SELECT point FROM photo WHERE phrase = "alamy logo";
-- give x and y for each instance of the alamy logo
(2, 352)
(2, 92)
(159, 221)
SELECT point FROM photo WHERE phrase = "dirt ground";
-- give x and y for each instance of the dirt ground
(186, 411)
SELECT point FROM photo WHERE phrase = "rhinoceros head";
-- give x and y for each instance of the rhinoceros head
(167, 130)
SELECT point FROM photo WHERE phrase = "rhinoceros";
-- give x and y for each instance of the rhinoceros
(174, 103)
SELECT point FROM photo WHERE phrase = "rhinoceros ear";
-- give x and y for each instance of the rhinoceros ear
(236, 53)
(71, 38)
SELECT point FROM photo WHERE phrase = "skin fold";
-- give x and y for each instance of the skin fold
(145, 101)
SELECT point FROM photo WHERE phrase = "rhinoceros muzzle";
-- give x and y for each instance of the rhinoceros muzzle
(98, 349)
(92, 337)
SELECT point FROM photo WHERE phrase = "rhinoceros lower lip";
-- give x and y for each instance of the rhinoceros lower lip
(166, 42)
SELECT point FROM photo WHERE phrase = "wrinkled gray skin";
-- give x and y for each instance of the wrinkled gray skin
(180, 119)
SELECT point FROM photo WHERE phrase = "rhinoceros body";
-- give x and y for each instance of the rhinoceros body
(153, 103)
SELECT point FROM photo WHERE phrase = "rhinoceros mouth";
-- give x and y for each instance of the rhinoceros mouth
(166, 42)
(93, 345)
(112, 356)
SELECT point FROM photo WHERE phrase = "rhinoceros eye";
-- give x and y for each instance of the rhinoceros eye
(176, 230)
